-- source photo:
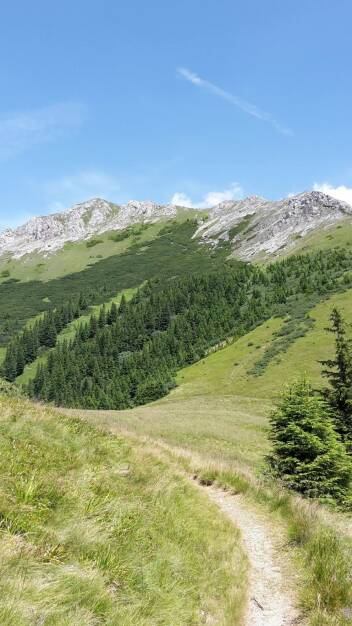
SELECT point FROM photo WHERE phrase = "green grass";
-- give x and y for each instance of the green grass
(339, 235)
(98, 529)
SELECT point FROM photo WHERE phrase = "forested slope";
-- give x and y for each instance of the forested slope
(129, 356)
(172, 252)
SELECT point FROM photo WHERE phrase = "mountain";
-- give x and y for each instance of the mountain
(257, 228)
(260, 228)
(49, 233)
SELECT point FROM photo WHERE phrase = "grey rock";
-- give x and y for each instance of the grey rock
(273, 225)
(50, 233)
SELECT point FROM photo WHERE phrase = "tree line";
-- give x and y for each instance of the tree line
(129, 356)
(26, 346)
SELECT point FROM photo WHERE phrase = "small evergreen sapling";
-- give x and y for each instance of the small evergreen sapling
(307, 453)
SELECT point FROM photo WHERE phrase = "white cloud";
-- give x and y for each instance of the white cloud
(210, 199)
(181, 199)
(22, 130)
(340, 193)
(246, 107)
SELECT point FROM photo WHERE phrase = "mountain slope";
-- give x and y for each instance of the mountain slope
(259, 228)
(256, 228)
(220, 407)
(49, 233)
(171, 252)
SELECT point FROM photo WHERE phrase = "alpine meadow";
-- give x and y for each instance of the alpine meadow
(176, 373)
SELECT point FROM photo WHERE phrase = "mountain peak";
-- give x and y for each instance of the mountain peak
(272, 225)
(267, 226)
(47, 234)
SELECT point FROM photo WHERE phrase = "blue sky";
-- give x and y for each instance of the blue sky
(196, 100)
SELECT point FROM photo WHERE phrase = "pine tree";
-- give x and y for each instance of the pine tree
(339, 373)
(9, 366)
(123, 304)
(307, 453)
(102, 317)
(113, 313)
(50, 335)
(82, 302)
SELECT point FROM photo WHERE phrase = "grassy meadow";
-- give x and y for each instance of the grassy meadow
(96, 529)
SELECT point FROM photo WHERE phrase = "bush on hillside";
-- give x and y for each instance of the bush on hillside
(307, 453)
(9, 390)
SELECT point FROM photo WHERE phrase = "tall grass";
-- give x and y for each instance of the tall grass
(94, 529)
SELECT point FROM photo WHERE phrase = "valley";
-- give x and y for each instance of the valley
(138, 492)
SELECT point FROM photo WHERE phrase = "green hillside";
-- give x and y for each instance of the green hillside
(172, 252)
(97, 529)
(67, 334)
(76, 256)
(228, 370)
(339, 235)
(219, 410)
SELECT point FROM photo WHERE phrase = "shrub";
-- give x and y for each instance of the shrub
(307, 453)
(9, 390)
(93, 242)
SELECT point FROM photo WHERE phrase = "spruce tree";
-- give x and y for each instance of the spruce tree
(339, 373)
(123, 304)
(307, 454)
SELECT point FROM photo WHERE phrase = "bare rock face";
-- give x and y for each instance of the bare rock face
(50, 233)
(257, 227)
(271, 225)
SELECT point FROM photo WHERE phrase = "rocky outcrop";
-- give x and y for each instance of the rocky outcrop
(271, 226)
(50, 233)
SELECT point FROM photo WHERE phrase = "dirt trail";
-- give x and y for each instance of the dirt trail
(271, 595)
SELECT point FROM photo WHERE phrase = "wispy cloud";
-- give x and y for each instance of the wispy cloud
(340, 192)
(210, 199)
(246, 107)
(22, 130)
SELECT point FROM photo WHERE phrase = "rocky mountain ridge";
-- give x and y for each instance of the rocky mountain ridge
(262, 227)
(255, 226)
(49, 233)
